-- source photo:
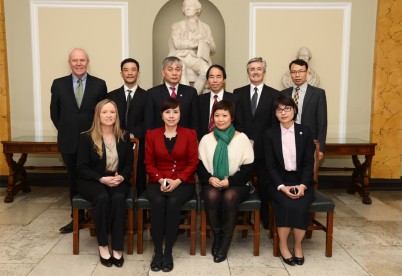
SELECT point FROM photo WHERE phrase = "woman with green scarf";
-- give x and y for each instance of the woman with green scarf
(226, 162)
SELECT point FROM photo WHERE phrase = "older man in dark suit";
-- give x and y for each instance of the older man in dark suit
(72, 108)
(216, 77)
(311, 101)
(257, 115)
(130, 101)
(172, 70)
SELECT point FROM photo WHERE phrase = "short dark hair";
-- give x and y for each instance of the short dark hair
(286, 100)
(127, 60)
(298, 62)
(219, 67)
(170, 103)
(225, 105)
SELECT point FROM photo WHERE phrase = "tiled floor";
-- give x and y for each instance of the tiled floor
(367, 241)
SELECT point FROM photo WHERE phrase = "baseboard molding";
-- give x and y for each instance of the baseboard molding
(325, 181)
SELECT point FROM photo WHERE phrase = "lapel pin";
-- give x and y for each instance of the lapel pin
(301, 133)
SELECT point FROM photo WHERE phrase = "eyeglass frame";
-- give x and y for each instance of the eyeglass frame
(298, 72)
(287, 109)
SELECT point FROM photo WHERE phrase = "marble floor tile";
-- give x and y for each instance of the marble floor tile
(367, 241)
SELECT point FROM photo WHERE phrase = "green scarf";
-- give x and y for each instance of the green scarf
(221, 160)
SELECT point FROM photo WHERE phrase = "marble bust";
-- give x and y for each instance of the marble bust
(313, 79)
(191, 40)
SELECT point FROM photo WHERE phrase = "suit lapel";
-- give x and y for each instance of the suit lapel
(70, 92)
(299, 143)
(278, 145)
(307, 98)
(246, 99)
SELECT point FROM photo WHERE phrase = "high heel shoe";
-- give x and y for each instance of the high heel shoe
(118, 262)
(298, 261)
(156, 264)
(167, 264)
(106, 262)
(290, 261)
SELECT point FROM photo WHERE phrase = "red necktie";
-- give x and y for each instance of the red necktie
(173, 95)
(211, 117)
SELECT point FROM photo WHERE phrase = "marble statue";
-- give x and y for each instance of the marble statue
(313, 79)
(191, 40)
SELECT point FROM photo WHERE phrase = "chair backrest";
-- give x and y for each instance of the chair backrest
(316, 163)
(136, 145)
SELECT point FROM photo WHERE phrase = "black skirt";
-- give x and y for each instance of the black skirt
(293, 213)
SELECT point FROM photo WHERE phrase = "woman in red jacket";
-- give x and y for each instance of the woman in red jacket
(171, 159)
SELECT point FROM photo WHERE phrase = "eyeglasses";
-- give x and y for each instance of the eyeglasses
(297, 72)
(286, 109)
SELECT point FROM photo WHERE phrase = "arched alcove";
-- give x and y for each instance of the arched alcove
(170, 13)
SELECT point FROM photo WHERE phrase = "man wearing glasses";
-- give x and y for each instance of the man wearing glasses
(311, 101)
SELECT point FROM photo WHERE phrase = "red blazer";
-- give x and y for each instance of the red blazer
(181, 163)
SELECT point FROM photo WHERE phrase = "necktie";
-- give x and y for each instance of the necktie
(296, 95)
(173, 95)
(211, 117)
(128, 100)
(78, 92)
(254, 99)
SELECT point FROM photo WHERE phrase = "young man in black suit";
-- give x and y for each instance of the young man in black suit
(172, 70)
(311, 101)
(72, 108)
(130, 101)
(256, 100)
(216, 77)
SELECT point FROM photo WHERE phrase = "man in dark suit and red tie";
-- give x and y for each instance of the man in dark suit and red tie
(256, 100)
(72, 108)
(172, 70)
(311, 101)
(216, 77)
(130, 101)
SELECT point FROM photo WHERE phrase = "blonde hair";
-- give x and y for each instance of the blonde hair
(96, 131)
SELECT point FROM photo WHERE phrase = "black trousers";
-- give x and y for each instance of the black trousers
(109, 209)
(165, 213)
(262, 182)
(70, 161)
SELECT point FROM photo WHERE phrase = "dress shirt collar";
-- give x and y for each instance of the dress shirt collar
(220, 95)
(259, 87)
(168, 88)
(83, 79)
(132, 89)
(288, 130)
(303, 87)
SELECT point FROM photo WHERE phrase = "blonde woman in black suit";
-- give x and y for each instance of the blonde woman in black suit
(105, 162)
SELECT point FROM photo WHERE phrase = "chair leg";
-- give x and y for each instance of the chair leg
(330, 226)
(256, 232)
(246, 221)
(76, 232)
(130, 231)
(203, 233)
(193, 232)
(140, 214)
(309, 233)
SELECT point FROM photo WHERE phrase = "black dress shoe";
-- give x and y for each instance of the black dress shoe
(118, 262)
(299, 261)
(290, 261)
(106, 262)
(157, 260)
(167, 264)
(68, 228)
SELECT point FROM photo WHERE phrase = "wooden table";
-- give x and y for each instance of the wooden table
(17, 179)
(360, 176)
